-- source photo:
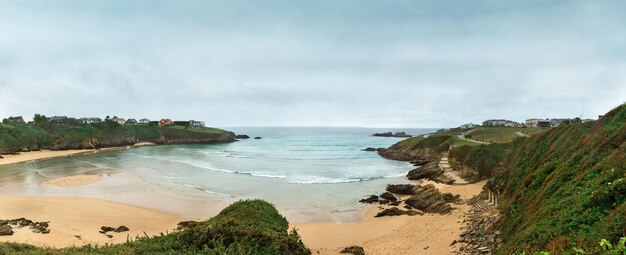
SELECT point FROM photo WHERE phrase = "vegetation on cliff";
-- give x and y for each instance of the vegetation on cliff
(41, 135)
(562, 188)
(245, 227)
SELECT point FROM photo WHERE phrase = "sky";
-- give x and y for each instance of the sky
(313, 63)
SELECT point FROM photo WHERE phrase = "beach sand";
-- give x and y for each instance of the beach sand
(46, 154)
(35, 155)
(72, 217)
(74, 180)
(427, 234)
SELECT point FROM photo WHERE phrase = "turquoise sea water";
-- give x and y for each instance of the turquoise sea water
(312, 174)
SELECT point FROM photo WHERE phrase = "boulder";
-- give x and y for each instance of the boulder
(5, 230)
(241, 136)
(369, 200)
(373, 149)
(429, 199)
(121, 229)
(450, 198)
(258, 138)
(402, 189)
(395, 211)
(355, 250)
(388, 196)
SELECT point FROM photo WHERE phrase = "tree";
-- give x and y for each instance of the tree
(40, 120)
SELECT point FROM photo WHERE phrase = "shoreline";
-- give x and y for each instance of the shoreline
(49, 154)
(425, 234)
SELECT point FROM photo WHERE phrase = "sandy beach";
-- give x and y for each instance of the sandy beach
(76, 221)
(74, 180)
(36, 155)
(427, 234)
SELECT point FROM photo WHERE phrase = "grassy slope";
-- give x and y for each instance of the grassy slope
(560, 188)
(16, 137)
(501, 134)
(245, 227)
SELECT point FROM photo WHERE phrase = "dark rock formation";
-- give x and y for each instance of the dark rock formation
(429, 171)
(451, 198)
(390, 134)
(395, 211)
(35, 227)
(429, 199)
(258, 138)
(105, 229)
(402, 189)
(355, 250)
(389, 196)
(369, 200)
(121, 229)
(241, 136)
(373, 149)
(420, 161)
(5, 230)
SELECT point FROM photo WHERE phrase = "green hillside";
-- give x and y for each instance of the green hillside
(561, 188)
(245, 227)
(16, 138)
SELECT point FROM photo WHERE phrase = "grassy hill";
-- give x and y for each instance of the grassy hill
(15, 138)
(245, 227)
(561, 188)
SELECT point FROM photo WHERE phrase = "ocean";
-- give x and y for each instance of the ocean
(311, 174)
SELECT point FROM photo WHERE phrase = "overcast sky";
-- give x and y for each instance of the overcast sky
(313, 63)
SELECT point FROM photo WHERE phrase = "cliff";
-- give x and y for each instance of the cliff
(558, 189)
(16, 138)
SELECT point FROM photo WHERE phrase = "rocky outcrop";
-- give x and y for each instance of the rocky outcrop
(186, 224)
(428, 199)
(369, 200)
(355, 250)
(373, 149)
(390, 134)
(402, 189)
(242, 136)
(258, 138)
(35, 227)
(104, 230)
(395, 211)
(430, 171)
(480, 234)
(388, 196)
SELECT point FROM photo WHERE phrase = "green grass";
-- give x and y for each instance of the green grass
(245, 227)
(501, 134)
(14, 138)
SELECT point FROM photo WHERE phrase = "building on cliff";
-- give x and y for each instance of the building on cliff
(165, 122)
(89, 120)
(196, 123)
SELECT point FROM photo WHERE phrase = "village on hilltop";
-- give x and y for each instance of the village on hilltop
(529, 123)
(69, 121)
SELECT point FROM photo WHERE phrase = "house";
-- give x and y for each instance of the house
(531, 123)
(16, 120)
(165, 122)
(118, 120)
(195, 123)
(544, 123)
(89, 120)
(469, 125)
(131, 122)
(556, 122)
(58, 120)
(144, 121)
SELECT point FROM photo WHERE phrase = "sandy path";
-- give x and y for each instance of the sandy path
(70, 217)
(427, 234)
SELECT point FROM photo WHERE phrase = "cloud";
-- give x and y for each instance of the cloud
(400, 63)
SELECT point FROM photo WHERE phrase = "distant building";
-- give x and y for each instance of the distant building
(118, 120)
(533, 123)
(16, 120)
(58, 120)
(544, 123)
(469, 125)
(131, 121)
(556, 122)
(144, 121)
(195, 123)
(164, 122)
(89, 120)
(500, 123)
